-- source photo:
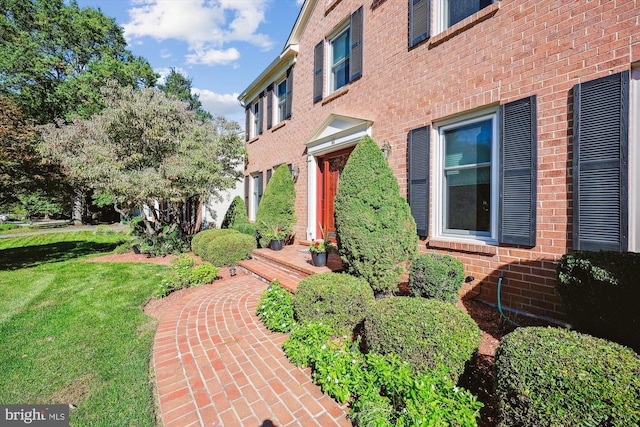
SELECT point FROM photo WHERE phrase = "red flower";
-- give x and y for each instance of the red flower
(317, 244)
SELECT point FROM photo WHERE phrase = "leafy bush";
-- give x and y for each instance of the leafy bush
(423, 332)
(305, 340)
(558, 377)
(436, 276)
(236, 214)
(338, 300)
(201, 242)
(245, 228)
(275, 308)
(229, 249)
(391, 393)
(600, 293)
(185, 273)
(4, 227)
(162, 244)
(383, 390)
(376, 233)
(277, 207)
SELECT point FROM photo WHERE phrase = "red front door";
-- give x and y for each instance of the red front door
(329, 170)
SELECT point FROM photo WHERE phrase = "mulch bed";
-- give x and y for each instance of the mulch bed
(479, 377)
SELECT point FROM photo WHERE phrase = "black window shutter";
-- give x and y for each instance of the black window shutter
(418, 188)
(246, 193)
(355, 58)
(318, 75)
(269, 106)
(269, 172)
(260, 187)
(419, 27)
(247, 122)
(260, 113)
(518, 172)
(600, 168)
(289, 100)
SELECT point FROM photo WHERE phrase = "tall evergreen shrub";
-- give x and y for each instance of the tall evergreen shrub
(277, 208)
(376, 233)
(236, 214)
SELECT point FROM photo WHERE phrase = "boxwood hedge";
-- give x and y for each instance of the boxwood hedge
(436, 276)
(558, 377)
(423, 332)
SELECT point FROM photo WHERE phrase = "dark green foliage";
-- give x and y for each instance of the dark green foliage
(423, 332)
(236, 214)
(558, 377)
(229, 249)
(201, 242)
(160, 245)
(275, 308)
(277, 208)
(600, 293)
(375, 230)
(436, 276)
(305, 340)
(338, 300)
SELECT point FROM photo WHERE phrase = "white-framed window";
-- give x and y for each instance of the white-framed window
(466, 177)
(450, 12)
(256, 193)
(281, 98)
(255, 110)
(339, 51)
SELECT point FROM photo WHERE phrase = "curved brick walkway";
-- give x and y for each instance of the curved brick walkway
(217, 365)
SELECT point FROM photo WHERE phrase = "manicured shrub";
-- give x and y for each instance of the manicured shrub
(376, 233)
(277, 207)
(245, 228)
(338, 300)
(436, 276)
(275, 308)
(229, 249)
(600, 293)
(201, 242)
(558, 377)
(185, 273)
(236, 214)
(423, 332)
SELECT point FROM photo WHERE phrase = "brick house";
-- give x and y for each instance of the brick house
(513, 127)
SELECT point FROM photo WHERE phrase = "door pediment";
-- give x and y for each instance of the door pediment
(336, 132)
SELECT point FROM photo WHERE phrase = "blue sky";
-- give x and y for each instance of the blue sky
(222, 45)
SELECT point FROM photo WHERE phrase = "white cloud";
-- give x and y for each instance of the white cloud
(299, 1)
(213, 56)
(205, 25)
(165, 53)
(220, 104)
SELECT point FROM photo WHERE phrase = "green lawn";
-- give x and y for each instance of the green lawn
(74, 332)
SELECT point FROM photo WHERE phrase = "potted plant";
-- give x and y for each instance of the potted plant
(276, 237)
(320, 249)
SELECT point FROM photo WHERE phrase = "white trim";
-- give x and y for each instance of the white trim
(634, 160)
(253, 199)
(437, 225)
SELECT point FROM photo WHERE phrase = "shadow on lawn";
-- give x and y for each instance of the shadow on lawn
(30, 256)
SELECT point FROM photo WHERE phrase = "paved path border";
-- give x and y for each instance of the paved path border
(217, 365)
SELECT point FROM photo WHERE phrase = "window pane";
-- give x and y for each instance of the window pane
(468, 199)
(460, 9)
(341, 75)
(468, 145)
(340, 47)
(282, 90)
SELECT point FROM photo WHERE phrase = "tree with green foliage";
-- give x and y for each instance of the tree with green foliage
(55, 56)
(145, 147)
(180, 86)
(376, 233)
(37, 203)
(236, 214)
(277, 209)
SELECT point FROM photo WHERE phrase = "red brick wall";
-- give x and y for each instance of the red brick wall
(508, 51)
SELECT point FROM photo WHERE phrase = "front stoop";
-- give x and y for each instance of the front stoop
(289, 266)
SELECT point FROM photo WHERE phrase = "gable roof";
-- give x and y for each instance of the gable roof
(286, 58)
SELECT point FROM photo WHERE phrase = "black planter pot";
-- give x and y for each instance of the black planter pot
(319, 259)
(276, 245)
